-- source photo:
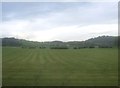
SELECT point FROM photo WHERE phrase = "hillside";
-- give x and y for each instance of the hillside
(101, 41)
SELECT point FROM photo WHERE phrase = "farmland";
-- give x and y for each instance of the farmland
(60, 67)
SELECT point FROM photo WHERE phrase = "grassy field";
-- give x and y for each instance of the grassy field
(67, 67)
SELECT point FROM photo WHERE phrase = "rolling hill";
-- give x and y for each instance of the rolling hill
(101, 41)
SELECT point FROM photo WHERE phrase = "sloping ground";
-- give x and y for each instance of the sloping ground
(46, 67)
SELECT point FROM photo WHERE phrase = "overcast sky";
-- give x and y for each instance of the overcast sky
(66, 21)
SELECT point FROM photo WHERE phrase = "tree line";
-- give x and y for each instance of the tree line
(97, 42)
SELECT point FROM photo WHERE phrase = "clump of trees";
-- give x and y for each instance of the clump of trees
(59, 48)
(105, 46)
(42, 47)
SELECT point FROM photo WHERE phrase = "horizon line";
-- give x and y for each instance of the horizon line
(60, 40)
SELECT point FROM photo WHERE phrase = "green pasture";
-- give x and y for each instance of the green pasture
(60, 67)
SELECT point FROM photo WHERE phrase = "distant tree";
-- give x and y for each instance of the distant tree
(101, 41)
